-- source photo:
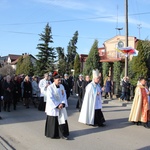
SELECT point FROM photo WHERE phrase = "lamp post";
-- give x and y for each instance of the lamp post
(126, 36)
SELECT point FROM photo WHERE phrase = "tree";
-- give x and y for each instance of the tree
(27, 66)
(105, 70)
(146, 47)
(138, 66)
(24, 65)
(47, 55)
(7, 70)
(116, 74)
(19, 68)
(77, 65)
(71, 51)
(93, 60)
(61, 61)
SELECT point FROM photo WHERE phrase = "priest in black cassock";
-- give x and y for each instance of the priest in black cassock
(79, 91)
(56, 123)
(85, 83)
(67, 85)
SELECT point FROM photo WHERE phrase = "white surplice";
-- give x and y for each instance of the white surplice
(43, 88)
(91, 102)
(56, 96)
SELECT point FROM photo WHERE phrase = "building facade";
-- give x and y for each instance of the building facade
(108, 53)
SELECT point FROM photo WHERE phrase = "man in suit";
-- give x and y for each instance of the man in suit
(67, 85)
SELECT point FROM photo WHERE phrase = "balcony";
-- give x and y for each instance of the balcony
(111, 56)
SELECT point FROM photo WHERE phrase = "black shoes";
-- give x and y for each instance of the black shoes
(146, 126)
(102, 125)
(137, 123)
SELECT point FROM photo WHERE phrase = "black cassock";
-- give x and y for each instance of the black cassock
(54, 130)
(79, 91)
(52, 127)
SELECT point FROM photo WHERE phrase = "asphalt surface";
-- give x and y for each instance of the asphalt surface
(23, 129)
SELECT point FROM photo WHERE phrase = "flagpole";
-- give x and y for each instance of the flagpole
(126, 36)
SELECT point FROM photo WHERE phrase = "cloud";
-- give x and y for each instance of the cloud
(68, 4)
(121, 20)
(103, 12)
(75, 5)
(136, 22)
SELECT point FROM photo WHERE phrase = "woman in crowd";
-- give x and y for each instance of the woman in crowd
(35, 91)
(16, 91)
(27, 93)
(108, 87)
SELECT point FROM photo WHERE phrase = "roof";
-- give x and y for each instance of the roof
(3, 58)
(101, 48)
(15, 61)
(13, 56)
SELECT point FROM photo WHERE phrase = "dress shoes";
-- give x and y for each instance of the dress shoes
(146, 126)
(102, 125)
(137, 123)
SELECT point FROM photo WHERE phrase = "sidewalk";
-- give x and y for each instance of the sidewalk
(4, 145)
(113, 101)
(116, 101)
(75, 126)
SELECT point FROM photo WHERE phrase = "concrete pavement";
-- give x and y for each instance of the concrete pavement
(24, 130)
(4, 145)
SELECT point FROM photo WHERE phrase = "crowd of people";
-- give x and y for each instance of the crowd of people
(51, 93)
(20, 88)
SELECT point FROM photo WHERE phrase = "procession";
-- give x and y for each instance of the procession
(50, 95)
(74, 75)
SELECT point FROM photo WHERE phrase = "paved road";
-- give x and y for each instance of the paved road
(23, 129)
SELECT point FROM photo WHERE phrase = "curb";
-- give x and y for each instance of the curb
(115, 101)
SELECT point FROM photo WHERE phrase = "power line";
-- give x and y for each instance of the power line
(71, 20)
(54, 35)
(20, 32)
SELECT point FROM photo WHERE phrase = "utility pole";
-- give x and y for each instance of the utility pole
(126, 36)
(139, 27)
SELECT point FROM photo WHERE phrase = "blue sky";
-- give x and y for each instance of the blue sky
(21, 22)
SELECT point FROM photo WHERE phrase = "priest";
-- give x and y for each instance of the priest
(43, 84)
(56, 123)
(140, 112)
(91, 113)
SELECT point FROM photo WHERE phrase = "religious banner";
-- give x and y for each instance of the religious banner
(128, 51)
